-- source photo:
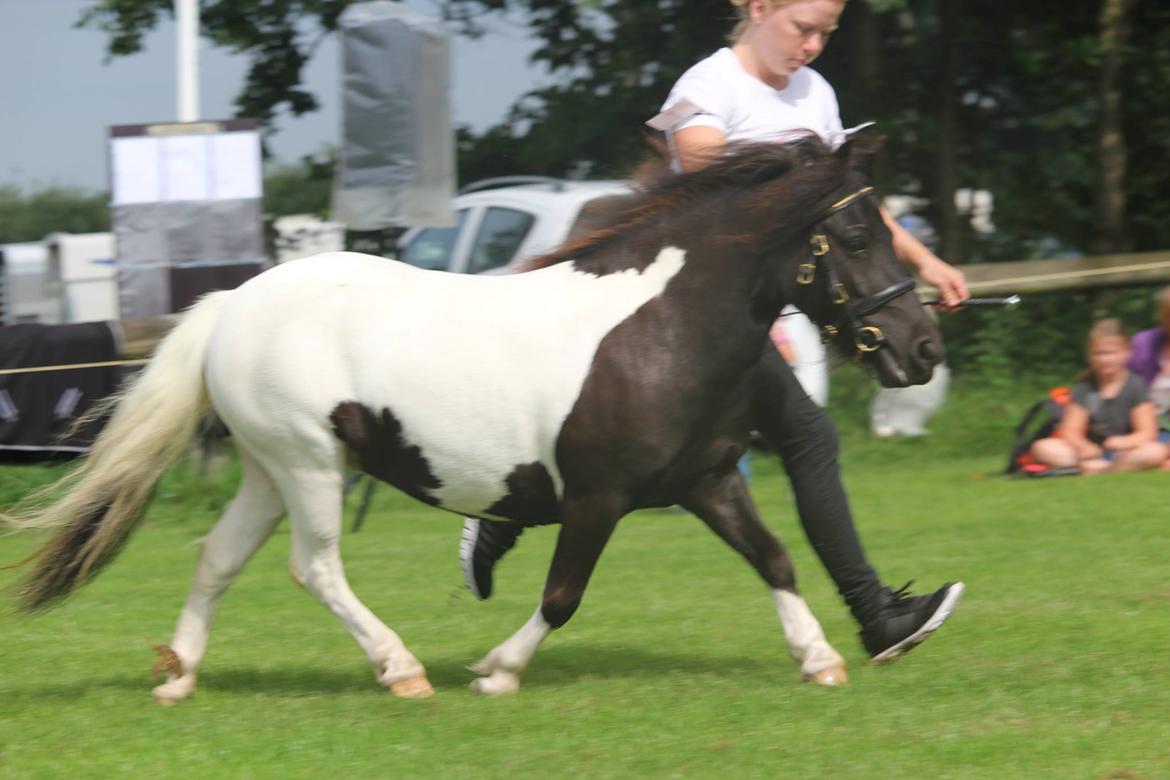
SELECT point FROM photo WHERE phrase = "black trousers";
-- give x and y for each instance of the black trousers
(806, 440)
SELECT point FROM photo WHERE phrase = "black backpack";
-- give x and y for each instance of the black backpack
(1040, 421)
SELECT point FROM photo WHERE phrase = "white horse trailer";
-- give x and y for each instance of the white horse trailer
(83, 269)
(26, 294)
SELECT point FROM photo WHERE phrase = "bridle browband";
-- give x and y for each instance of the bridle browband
(866, 338)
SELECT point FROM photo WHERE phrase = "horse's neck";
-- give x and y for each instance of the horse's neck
(727, 297)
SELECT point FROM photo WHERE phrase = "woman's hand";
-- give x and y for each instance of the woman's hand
(1118, 443)
(1088, 451)
(950, 281)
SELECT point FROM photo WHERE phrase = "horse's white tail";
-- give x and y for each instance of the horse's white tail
(100, 502)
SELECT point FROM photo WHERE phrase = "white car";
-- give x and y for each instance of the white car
(502, 222)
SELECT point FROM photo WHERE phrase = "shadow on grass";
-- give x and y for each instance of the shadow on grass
(553, 668)
(557, 666)
(293, 682)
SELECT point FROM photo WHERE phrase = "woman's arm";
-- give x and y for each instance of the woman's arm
(1072, 429)
(1144, 421)
(951, 283)
(696, 146)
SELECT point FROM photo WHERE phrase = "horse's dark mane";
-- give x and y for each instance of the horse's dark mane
(660, 191)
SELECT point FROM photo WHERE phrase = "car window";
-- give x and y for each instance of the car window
(431, 248)
(500, 235)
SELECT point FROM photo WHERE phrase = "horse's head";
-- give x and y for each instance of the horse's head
(853, 286)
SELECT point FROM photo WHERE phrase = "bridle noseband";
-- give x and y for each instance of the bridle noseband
(866, 338)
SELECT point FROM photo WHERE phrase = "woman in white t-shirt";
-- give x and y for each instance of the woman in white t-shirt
(759, 89)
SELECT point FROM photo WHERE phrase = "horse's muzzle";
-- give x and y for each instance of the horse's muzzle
(917, 367)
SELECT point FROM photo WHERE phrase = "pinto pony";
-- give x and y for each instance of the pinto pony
(615, 376)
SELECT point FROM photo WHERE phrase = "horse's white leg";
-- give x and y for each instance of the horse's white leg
(807, 644)
(585, 529)
(313, 498)
(502, 666)
(724, 505)
(247, 522)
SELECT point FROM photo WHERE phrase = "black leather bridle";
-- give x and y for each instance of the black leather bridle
(866, 338)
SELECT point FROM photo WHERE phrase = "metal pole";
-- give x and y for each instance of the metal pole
(187, 48)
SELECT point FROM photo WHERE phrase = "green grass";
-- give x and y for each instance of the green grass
(1055, 664)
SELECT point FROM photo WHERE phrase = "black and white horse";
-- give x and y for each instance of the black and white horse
(614, 377)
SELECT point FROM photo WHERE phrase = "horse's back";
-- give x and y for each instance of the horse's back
(474, 376)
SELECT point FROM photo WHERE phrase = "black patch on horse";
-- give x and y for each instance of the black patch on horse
(381, 451)
(531, 498)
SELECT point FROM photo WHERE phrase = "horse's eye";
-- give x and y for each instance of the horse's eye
(855, 240)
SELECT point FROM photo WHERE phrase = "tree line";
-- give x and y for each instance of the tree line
(1057, 108)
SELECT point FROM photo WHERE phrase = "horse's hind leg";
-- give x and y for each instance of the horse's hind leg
(313, 497)
(724, 505)
(247, 522)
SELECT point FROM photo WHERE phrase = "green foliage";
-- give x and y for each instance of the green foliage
(303, 188)
(1024, 78)
(32, 215)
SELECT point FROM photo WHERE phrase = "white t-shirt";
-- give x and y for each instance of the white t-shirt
(717, 92)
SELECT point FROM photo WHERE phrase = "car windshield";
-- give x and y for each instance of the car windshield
(431, 249)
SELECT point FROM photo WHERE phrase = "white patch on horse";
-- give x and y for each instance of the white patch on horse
(480, 371)
(806, 640)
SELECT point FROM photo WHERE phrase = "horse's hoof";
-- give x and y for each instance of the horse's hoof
(498, 684)
(834, 675)
(167, 698)
(413, 688)
(174, 691)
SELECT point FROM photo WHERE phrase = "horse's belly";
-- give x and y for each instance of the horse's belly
(494, 482)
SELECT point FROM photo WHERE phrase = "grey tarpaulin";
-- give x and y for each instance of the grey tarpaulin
(397, 166)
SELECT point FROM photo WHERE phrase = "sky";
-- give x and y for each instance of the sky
(58, 96)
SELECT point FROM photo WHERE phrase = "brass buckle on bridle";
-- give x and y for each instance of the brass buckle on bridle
(806, 273)
(820, 244)
(828, 333)
(874, 344)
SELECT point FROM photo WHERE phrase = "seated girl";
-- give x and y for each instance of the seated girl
(1110, 424)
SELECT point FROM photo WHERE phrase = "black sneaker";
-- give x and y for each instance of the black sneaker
(905, 621)
(484, 542)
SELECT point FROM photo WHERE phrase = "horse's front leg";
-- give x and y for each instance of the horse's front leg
(723, 503)
(586, 527)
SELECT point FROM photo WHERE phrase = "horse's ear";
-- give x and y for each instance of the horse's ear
(861, 149)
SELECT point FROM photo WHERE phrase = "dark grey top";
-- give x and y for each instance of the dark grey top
(1110, 416)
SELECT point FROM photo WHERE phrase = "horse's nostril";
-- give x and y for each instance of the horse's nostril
(926, 351)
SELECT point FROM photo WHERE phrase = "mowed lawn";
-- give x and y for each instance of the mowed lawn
(1056, 664)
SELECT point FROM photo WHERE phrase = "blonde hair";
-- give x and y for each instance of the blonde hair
(1108, 329)
(741, 10)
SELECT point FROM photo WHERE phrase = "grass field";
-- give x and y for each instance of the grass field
(1055, 664)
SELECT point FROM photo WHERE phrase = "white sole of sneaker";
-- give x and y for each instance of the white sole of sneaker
(467, 552)
(949, 602)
